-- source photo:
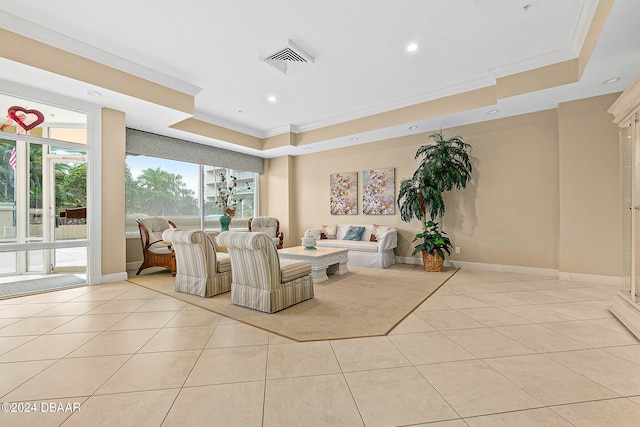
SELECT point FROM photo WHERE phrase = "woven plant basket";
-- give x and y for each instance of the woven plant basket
(432, 262)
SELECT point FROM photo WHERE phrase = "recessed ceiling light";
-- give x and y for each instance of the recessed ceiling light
(92, 93)
(609, 81)
(492, 111)
(526, 7)
(307, 148)
(412, 47)
(272, 98)
(413, 127)
(353, 139)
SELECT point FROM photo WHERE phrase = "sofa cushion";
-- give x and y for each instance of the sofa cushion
(352, 245)
(354, 233)
(291, 269)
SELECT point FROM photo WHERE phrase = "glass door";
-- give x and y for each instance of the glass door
(65, 211)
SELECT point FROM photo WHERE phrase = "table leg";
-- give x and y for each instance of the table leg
(319, 275)
(342, 268)
(338, 268)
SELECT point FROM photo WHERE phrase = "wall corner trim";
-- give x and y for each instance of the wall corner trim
(115, 277)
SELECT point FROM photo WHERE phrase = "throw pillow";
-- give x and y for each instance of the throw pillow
(330, 231)
(354, 233)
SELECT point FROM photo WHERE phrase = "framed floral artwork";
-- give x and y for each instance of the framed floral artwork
(344, 193)
(378, 192)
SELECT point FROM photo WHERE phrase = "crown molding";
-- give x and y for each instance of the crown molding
(281, 129)
(400, 103)
(532, 63)
(52, 38)
(229, 125)
(585, 18)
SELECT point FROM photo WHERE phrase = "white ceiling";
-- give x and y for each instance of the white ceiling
(212, 49)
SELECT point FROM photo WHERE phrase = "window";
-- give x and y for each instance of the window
(185, 193)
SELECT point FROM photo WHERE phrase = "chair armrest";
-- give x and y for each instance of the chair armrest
(159, 245)
(388, 240)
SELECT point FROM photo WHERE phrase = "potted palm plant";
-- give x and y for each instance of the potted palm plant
(444, 166)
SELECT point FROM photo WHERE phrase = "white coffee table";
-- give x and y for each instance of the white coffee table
(323, 260)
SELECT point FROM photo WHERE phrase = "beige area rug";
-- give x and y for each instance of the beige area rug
(362, 303)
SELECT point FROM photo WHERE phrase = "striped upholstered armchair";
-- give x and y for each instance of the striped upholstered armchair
(260, 279)
(200, 269)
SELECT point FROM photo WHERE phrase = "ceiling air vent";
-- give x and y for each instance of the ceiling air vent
(289, 59)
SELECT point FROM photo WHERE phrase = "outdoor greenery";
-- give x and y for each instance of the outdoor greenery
(71, 185)
(444, 165)
(7, 189)
(71, 179)
(6, 174)
(156, 192)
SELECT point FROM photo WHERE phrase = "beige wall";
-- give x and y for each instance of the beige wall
(134, 250)
(113, 198)
(509, 212)
(529, 190)
(590, 215)
(275, 199)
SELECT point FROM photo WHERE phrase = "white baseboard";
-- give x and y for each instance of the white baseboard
(115, 277)
(592, 278)
(133, 265)
(408, 260)
(549, 272)
(488, 267)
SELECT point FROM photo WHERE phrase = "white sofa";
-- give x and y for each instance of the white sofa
(374, 252)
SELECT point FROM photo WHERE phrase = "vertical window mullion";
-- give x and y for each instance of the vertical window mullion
(201, 200)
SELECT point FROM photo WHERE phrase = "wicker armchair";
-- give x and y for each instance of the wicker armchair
(156, 252)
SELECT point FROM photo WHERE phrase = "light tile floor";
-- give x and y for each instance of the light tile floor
(487, 349)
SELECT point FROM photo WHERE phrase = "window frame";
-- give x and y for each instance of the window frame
(93, 149)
